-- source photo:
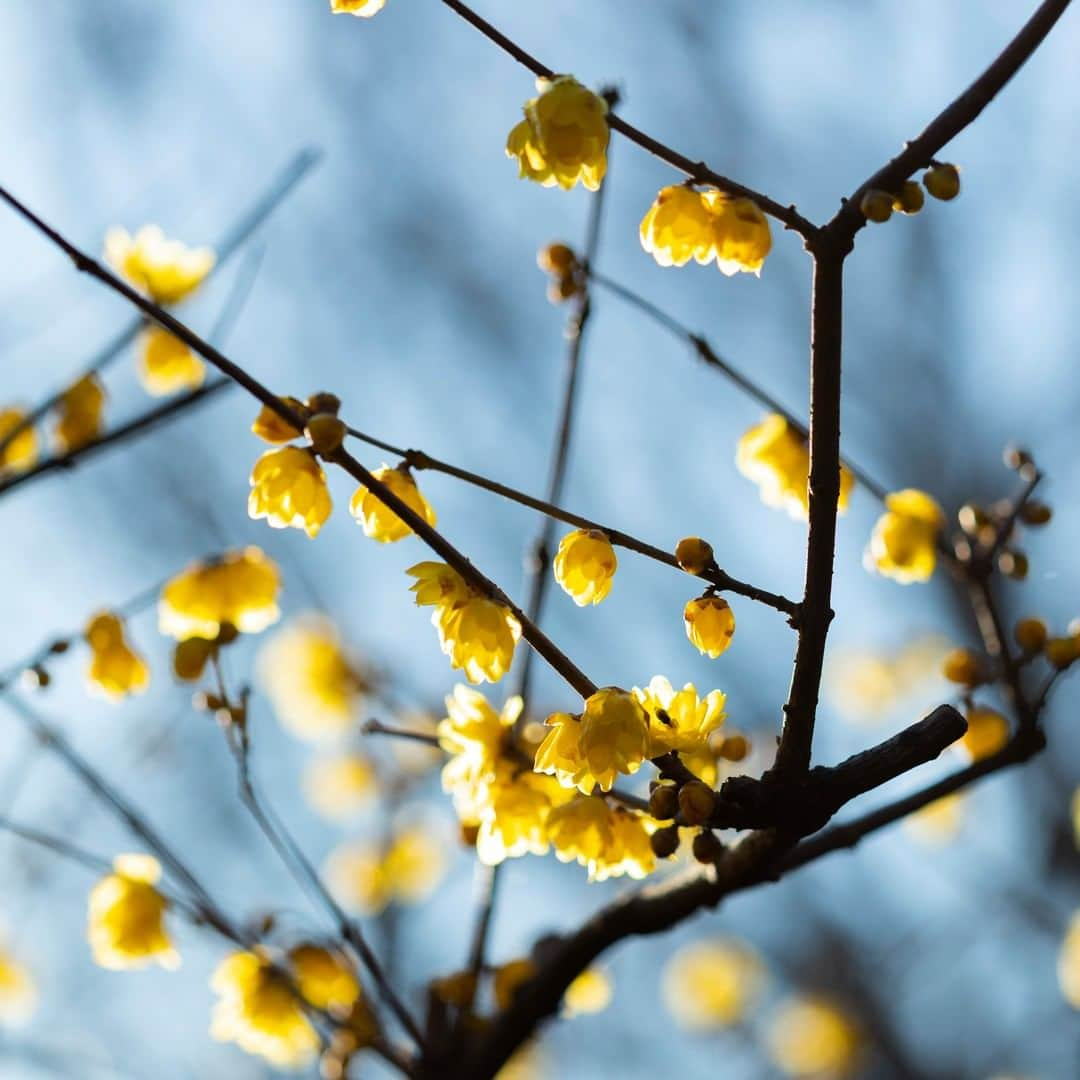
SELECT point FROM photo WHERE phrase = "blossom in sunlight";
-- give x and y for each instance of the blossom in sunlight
(126, 917)
(512, 815)
(18, 994)
(678, 227)
(288, 488)
(315, 687)
(564, 137)
(21, 453)
(776, 457)
(610, 737)
(687, 720)
(272, 429)
(903, 545)
(741, 234)
(710, 624)
(337, 787)
(712, 984)
(987, 732)
(630, 851)
(1068, 967)
(608, 843)
(473, 727)
(938, 822)
(240, 589)
(166, 270)
(377, 519)
(364, 8)
(167, 364)
(590, 992)
(324, 977)
(810, 1036)
(115, 668)
(79, 414)
(258, 1010)
(477, 634)
(585, 566)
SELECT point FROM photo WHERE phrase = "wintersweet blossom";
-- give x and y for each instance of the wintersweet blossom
(377, 519)
(585, 566)
(126, 917)
(710, 624)
(166, 364)
(79, 414)
(363, 8)
(811, 1036)
(679, 719)
(903, 545)
(288, 488)
(166, 270)
(711, 984)
(116, 670)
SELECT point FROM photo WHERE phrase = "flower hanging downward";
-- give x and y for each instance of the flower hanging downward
(79, 414)
(363, 8)
(741, 233)
(710, 624)
(775, 456)
(564, 136)
(115, 669)
(679, 719)
(585, 566)
(477, 634)
(288, 488)
(126, 927)
(166, 364)
(166, 270)
(21, 453)
(377, 519)
(610, 737)
(903, 545)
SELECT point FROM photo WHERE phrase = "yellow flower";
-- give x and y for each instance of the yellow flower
(364, 8)
(272, 429)
(115, 668)
(630, 850)
(258, 1010)
(513, 820)
(21, 453)
(473, 727)
(337, 787)
(377, 519)
(740, 233)
(165, 270)
(585, 566)
(313, 684)
(678, 227)
(240, 588)
(324, 978)
(355, 876)
(938, 822)
(166, 364)
(810, 1036)
(1068, 968)
(18, 994)
(776, 457)
(590, 992)
(78, 420)
(126, 922)
(689, 719)
(987, 732)
(580, 830)
(610, 737)
(712, 984)
(288, 488)
(903, 545)
(414, 864)
(439, 586)
(564, 136)
(710, 624)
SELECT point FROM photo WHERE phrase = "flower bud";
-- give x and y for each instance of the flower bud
(1030, 635)
(1013, 564)
(665, 842)
(663, 802)
(697, 802)
(1063, 651)
(326, 432)
(190, 658)
(1035, 513)
(876, 205)
(693, 554)
(556, 259)
(910, 200)
(707, 848)
(324, 402)
(964, 667)
(735, 747)
(942, 181)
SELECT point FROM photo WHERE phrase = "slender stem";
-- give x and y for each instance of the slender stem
(377, 727)
(696, 170)
(229, 244)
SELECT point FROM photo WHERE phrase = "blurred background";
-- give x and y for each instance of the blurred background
(401, 275)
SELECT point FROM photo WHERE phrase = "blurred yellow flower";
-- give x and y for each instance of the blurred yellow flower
(564, 136)
(678, 227)
(810, 1036)
(258, 1010)
(585, 566)
(1068, 968)
(288, 488)
(610, 737)
(18, 994)
(166, 364)
(710, 624)
(711, 984)
(240, 588)
(126, 917)
(21, 453)
(938, 822)
(338, 786)
(364, 8)
(775, 456)
(79, 415)
(903, 545)
(377, 519)
(590, 992)
(987, 732)
(115, 668)
(324, 978)
(165, 270)
(316, 688)
(688, 720)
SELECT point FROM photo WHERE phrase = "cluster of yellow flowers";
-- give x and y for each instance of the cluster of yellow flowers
(477, 634)
(941, 180)
(116, 670)
(776, 457)
(684, 223)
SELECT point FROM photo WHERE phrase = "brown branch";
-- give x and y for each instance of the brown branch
(698, 171)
